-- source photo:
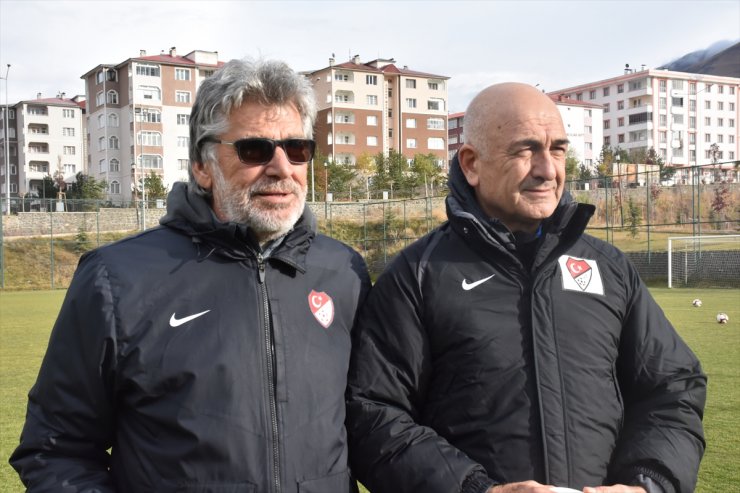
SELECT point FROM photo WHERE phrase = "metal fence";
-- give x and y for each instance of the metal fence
(40, 250)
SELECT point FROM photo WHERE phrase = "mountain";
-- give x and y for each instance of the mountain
(721, 58)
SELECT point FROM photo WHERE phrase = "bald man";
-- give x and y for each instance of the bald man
(507, 351)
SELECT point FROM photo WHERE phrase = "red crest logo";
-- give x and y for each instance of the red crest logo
(322, 307)
(580, 271)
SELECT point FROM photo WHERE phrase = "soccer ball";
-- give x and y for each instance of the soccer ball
(696, 302)
(722, 318)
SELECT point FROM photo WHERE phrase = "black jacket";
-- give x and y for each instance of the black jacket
(470, 369)
(199, 363)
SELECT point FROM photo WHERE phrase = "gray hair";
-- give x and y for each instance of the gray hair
(267, 82)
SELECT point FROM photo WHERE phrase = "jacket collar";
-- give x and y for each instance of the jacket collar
(190, 214)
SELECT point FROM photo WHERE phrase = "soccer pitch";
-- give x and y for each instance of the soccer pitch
(26, 318)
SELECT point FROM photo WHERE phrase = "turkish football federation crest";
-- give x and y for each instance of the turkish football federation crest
(580, 275)
(322, 307)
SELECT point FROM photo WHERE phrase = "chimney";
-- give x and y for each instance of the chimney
(356, 59)
(331, 61)
(627, 69)
(173, 52)
(142, 52)
(38, 95)
(642, 67)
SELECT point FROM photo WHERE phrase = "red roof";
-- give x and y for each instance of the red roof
(386, 69)
(57, 101)
(456, 115)
(560, 99)
(175, 60)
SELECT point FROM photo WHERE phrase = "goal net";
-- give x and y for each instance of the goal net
(704, 261)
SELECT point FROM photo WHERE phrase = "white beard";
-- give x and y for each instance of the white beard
(268, 221)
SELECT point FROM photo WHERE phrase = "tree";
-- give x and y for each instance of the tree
(666, 172)
(720, 201)
(86, 187)
(571, 165)
(155, 188)
(341, 177)
(316, 175)
(634, 217)
(424, 171)
(49, 188)
(714, 153)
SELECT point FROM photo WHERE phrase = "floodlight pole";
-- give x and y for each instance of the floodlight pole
(7, 144)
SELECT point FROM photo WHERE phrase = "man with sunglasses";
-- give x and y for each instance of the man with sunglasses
(208, 354)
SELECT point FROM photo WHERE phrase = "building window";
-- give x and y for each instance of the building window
(678, 152)
(182, 96)
(692, 138)
(435, 143)
(606, 107)
(620, 122)
(663, 120)
(452, 139)
(607, 140)
(149, 138)
(731, 106)
(720, 106)
(372, 140)
(677, 84)
(731, 155)
(70, 169)
(68, 113)
(620, 105)
(182, 74)
(38, 166)
(372, 100)
(663, 137)
(147, 69)
(588, 129)
(720, 138)
(663, 86)
(112, 97)
(663, 103)
(692, 105)
(589, 145)
(731, 123)
(183, 119)
(13, 187)
(113, 142)
(435, 124)
(579, 96)
(150, 161)
(410, 122)
(732, 90)
(692, 88)
(115, 188)
(730, 139)
(38, 110)
(39, 148)
(433, 85)
(678, 119)
(183, 141)
(115, 165)
(436, 105)
(100, 98)
(68, 132)
(101, 144)
(411, 143)
(345, 118)
(707, 121)
(678, 102)
(692, 122)
(183, 164)
(112, 120)
(150, 93)
(606, 91)
(620, 138)
(390, 113)
(410, 83)
(372, 121)
(342, 76)
(607, 124)
(69, 150)
(707, 137)
(411, 102)
(371, 80)
(151, 116)
(720, 89)
(592, 94)
(620, 88)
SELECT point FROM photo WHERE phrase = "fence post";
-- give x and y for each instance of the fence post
(51, 247)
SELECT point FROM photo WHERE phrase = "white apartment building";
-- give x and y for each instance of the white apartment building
(681, 115)
(138, 114)
(367, 108)
(46, 139)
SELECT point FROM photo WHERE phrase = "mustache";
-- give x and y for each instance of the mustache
(274, 186)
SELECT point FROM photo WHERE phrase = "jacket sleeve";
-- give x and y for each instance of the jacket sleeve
(389, 373)
(664, 391)
(69, 420)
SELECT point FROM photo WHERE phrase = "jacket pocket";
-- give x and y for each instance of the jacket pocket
(336, 483)
(170, 486)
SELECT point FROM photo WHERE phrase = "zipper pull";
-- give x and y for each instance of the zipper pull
(261, 267)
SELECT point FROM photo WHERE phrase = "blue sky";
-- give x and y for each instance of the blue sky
(556, 44)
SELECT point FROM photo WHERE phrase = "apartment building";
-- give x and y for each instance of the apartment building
(373, 107)
(690, 119)
(582, 121)
(45, 138)
(138, 114)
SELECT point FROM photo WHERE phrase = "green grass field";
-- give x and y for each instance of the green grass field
(26, 318)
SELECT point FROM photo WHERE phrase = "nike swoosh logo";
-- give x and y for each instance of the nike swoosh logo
(176, 322)
(468, 286)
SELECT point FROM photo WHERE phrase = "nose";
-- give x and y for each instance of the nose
(279, 166)
(544, 165)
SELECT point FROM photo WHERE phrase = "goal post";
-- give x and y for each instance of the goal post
(711, 261)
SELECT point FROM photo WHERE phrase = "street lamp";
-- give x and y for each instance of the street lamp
(326, 181)
(7, 144)
(313, 182)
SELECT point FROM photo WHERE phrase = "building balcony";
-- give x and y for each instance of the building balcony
(678, 110)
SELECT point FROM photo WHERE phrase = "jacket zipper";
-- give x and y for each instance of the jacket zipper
(271, 375)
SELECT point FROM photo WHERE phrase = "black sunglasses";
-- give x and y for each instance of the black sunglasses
(258, 150)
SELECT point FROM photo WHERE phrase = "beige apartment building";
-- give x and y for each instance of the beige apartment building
(690, 119)
(45, 138)
(373, 107)
(138, 114)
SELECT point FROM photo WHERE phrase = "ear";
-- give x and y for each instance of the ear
(202, 174)
(468, 157)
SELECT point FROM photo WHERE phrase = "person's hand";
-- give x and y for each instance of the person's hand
(523, 487)
(617, 488)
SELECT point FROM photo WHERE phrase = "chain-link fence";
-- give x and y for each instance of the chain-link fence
(634, 211)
